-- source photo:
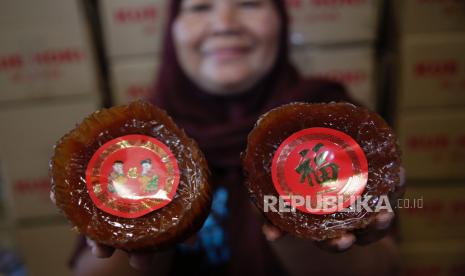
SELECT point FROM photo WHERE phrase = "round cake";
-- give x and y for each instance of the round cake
(319, 171)
(128, 177)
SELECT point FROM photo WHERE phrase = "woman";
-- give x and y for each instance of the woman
(224, 63)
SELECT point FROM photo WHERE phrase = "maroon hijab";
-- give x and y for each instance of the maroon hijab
(220, 124)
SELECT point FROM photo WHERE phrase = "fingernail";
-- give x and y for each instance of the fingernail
(140, 261)
(272, 236)
(271, 233)
(52, 197)
(93, 247)
(134, 263)
(94, 251)
(383, 220)
(90, 242)
(345, 242)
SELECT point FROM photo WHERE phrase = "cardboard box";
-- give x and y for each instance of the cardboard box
(132, 27)
(133, 79)
(45, 51)
(429, 16)
(433, 258)
(433, 143)
(46, 249)
(2, 199)
(28, 133)
(353, 66)
(432, 71)
(25, 15)
(5, 201)
(333, 21)
(433, 212)
(6, 237)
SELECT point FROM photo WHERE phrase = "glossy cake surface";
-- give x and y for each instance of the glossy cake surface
(344, 142)
(128, 177)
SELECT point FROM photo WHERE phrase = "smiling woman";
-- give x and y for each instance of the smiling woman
(224, 63)
(226, 46)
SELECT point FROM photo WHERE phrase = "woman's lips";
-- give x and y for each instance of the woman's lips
(227, 53)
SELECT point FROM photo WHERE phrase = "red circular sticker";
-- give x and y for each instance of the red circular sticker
(132, 175)
(319, 170)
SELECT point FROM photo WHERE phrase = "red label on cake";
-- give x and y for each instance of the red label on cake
(319, 166)
(132, 175)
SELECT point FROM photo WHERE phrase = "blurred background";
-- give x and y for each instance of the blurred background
(62, 59)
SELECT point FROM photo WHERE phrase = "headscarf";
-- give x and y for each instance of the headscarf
(220, 124)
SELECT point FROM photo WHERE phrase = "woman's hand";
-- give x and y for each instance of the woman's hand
(373, 232)
(138, 260)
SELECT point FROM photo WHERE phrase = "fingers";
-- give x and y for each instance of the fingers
(383, 220)
(271, 232)
(338, 244)
(141, 260)
(138, 260)
(52, 197)
(100, 250)
(376, 230)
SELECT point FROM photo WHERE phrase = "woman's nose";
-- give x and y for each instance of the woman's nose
(224, 18)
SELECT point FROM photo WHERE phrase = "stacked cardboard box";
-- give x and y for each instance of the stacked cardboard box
(430, 89)
(430, 102)
(429, 72)
(133, 79)
(353, 66)
(433, 211)
(133, 31)
(132, 27)
(333, 21)
(5, 212)
(335, 39)
(3, 198)
(5, 224)
(433, 143)
(49, 82)
(6, 241)
(429, 16)
(56, 239)
(45, 51)
(29, 131)
(432, 71)
(430, 258)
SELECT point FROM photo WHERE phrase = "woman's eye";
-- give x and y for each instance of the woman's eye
(200, 7)
(250, 3)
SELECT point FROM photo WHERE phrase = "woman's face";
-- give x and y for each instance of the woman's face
(226, 46)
